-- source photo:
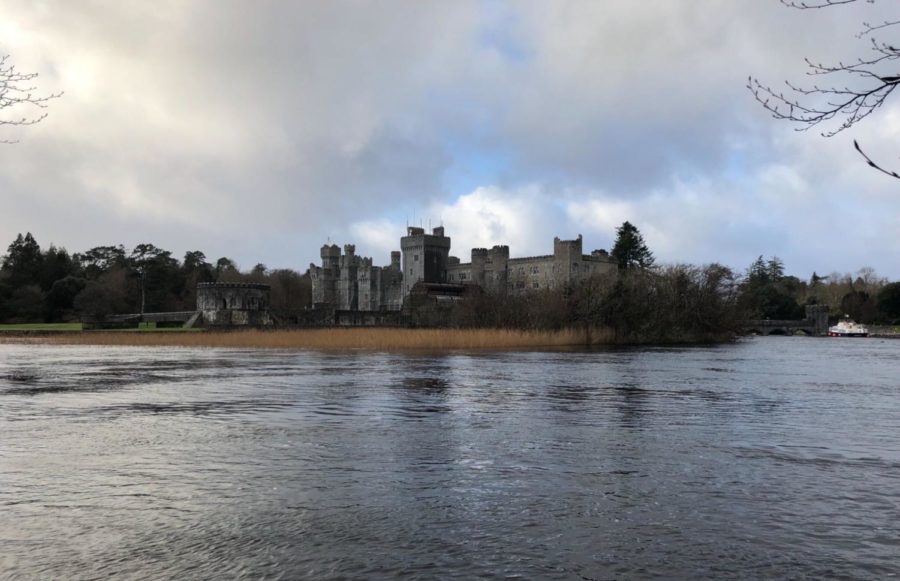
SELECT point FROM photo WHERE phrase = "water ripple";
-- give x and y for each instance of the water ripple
(776, 457)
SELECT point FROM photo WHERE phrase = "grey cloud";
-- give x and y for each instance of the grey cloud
(258, 129)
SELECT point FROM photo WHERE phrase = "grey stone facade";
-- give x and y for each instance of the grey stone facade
(350, 283)
(425, 257)
(493, 269)
(234, 304)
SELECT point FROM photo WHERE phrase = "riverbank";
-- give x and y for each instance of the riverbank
(345, 338)
(884, 331)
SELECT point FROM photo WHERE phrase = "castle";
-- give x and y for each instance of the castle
(351, 283)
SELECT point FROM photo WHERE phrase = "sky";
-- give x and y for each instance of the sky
(262, 130)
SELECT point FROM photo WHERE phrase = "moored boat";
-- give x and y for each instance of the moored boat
(848, 328)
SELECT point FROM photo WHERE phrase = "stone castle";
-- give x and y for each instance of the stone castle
(351, 283)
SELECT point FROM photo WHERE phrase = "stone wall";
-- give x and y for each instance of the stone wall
(347, 282)
(234, 304)
(424, 257)
(493, 270)
(324, 278)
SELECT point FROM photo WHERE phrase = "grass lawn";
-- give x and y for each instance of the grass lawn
(154, 328)
(76, 327)
(41, 327)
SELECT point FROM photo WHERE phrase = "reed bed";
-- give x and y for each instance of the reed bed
(387, 339)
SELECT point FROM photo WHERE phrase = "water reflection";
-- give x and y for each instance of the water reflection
(772, 458)
(632, 404)
(426, 385)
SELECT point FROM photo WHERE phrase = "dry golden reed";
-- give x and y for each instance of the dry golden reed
(350, 338)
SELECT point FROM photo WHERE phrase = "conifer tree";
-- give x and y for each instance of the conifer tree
(630, 251)
(23, 261)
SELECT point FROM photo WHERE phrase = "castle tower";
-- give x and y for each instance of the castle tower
(479, 261)
(567, 259)
(325, 277)
(424, 257)
(331, 256)
(348, 284)
(496, 270)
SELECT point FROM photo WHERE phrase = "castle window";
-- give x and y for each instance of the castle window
(535, 269)
(575, 266)
(520, 284)
(535, 284)
(521, 270)
(462, 276)
(415, 258)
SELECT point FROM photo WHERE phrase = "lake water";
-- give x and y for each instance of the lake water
(774, 457)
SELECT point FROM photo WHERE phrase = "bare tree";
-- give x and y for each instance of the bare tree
(16, 90)
(853, 90)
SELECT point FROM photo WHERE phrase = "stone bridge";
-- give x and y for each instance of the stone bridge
(184, 319)
(815, 323)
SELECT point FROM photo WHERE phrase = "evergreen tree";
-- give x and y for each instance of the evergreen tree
(195, 263)
(101, 259)
(158, 276)
(758, 273)
(630, 252)
(259, 273)
(57, 265)
(768, 294)
(60, 299)
(227, 270)
(775, 268)
(23, 261)
(889, 301)
(195, 269)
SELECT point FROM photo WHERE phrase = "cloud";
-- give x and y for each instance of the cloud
(259, 131)
(526, 219)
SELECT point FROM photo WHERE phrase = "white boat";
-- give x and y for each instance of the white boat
(848, 328)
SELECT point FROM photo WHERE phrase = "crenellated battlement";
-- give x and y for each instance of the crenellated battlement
(499, 251)
(350, 282)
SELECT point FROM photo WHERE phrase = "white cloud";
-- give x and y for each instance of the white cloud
(375, 238)
(259, 130)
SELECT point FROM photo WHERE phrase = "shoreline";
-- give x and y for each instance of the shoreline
(342, 338)
(369, 338)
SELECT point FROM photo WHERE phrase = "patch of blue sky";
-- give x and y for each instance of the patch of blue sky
(502, 32)
(736, 166)
(474, 165)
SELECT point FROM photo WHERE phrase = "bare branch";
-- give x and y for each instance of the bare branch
(819, 4)
(16, 89)
(874, 165)
(860, 87)
(869, 28)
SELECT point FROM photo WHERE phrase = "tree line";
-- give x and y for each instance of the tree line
(645, 302)
(670, 304)
(51, 285)
(768, 293)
